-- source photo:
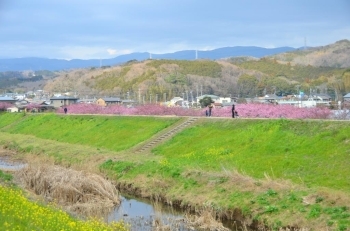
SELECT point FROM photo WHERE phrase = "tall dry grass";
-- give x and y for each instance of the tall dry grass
(205, 220)
(79, 192)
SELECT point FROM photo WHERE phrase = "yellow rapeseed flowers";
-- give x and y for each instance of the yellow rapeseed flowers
(19, 213)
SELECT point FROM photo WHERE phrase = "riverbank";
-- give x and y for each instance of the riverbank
(267, 173)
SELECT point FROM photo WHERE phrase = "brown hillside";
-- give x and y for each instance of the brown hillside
(333, 55)
(169, 78)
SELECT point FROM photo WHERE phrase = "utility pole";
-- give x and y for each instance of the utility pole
(191, 97)
(299, 96)
(139, 95)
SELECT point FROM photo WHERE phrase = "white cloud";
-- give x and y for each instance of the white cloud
(207, 48)
(111, 51)
(81, 52)
(118, 52)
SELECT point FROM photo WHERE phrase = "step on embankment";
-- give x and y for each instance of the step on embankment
(166, 135)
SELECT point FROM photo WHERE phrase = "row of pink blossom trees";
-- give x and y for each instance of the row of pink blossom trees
(249, 110)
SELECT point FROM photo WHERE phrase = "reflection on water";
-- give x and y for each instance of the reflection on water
(146, 215)
(143, 216)
(5, 165)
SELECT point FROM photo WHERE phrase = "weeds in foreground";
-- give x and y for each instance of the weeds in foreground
(4, 177)
(18, 213)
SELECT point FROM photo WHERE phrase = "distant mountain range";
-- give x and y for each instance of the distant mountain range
(35, 64)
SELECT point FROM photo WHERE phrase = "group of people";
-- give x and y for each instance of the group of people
(210, 108)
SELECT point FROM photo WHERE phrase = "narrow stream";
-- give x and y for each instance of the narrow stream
(142, 215)
(5, 165)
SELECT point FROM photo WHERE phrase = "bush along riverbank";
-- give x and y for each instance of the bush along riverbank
(263, 173)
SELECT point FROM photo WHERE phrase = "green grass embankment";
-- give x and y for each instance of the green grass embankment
(280, 172)
(114, 133)
(314, 153)
(5, 119)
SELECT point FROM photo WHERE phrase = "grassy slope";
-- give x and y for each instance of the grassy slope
(113, 133)
(198, 165)
(312, 152)
(6, 120)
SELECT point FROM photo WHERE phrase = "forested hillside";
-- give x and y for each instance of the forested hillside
(164, 79)
(285, 78)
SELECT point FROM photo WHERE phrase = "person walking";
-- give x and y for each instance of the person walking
(233, 111)
(210, 107)
(65, 110)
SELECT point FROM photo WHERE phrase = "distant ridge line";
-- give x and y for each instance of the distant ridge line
(35, 64)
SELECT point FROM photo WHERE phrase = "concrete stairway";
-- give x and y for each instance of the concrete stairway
(157, 140)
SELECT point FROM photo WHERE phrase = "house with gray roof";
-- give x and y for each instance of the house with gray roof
(61, 101)
(108, 101)
(346, 97)
(6, 99)
(322, 97)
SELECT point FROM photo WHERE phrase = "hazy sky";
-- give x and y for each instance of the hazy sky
(85, 29)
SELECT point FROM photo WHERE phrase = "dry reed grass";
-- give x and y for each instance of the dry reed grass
(248, 183)
(205, 221)
(79, 192)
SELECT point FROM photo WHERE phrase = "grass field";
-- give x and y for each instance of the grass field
(280, 172)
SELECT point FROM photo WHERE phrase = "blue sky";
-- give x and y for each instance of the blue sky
(86, 29)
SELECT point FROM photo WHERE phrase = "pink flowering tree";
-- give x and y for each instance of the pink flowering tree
(4, 106)
(32, 106)
(249, 110)
(259, 110)
(83, 109)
